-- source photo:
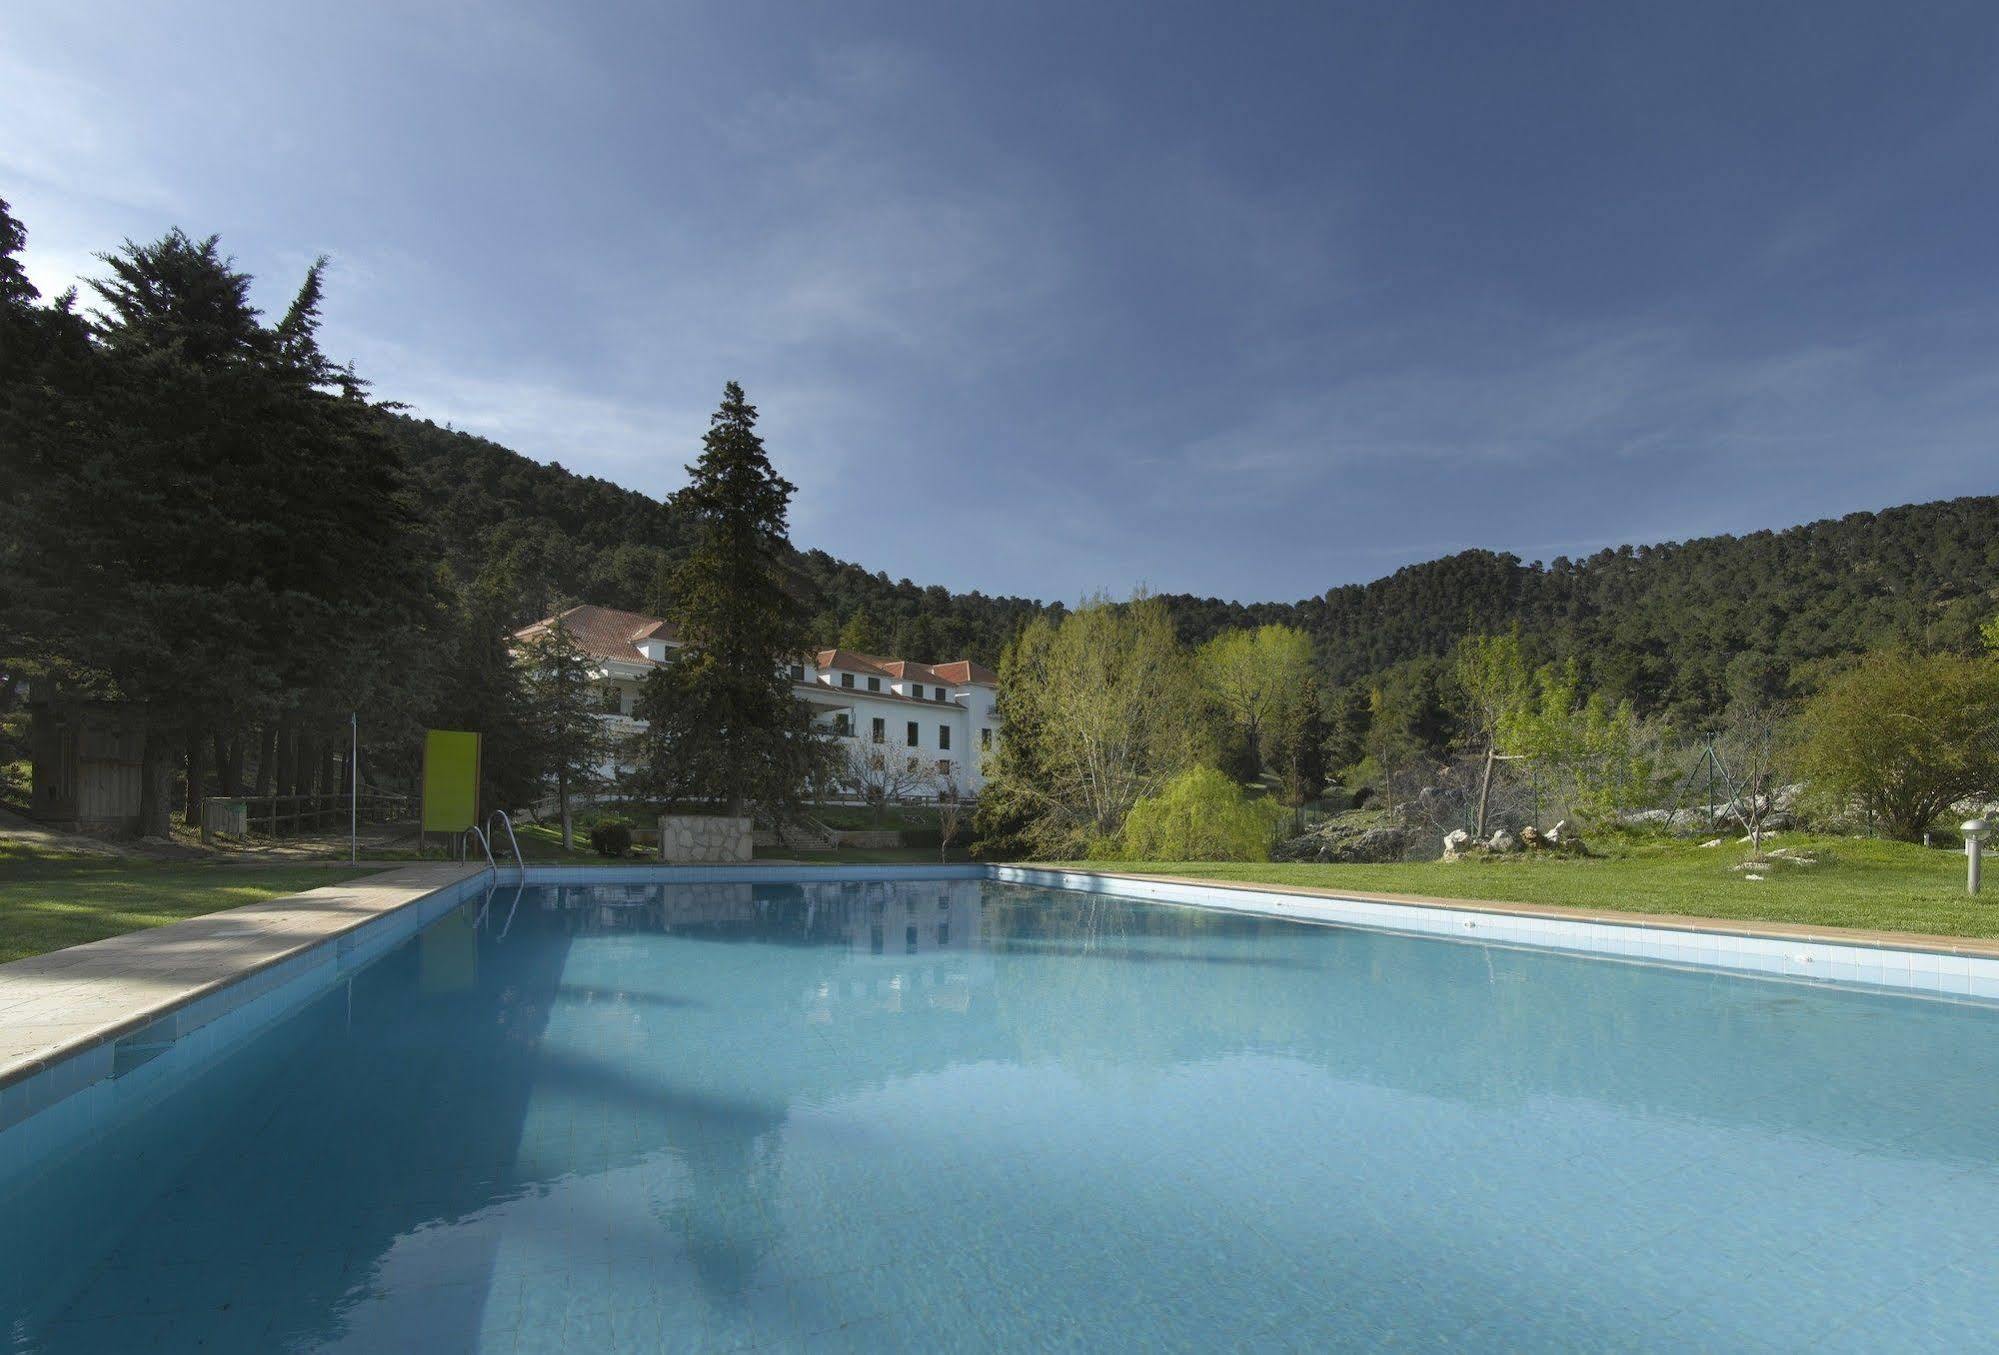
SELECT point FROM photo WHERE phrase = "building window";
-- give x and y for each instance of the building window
(881, 730)
(985, 741)
(611, 702)
(943, 736)
(846, 679)
(916, 690)
(943, 766)
(874, 684)
(797, 672)
(915, 738)
(842, 726)
(940, 693)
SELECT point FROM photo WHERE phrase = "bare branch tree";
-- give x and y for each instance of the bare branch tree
(950, 812)
(884, 773)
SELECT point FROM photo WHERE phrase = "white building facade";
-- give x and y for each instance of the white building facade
(943, 717)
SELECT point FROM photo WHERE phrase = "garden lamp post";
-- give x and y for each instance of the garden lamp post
(1974, 831)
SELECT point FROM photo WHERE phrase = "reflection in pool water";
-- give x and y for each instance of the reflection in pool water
(956, 1114)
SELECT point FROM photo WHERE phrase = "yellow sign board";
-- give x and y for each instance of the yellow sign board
(450, 780)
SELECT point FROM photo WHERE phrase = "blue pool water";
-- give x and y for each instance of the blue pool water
(961, 1115)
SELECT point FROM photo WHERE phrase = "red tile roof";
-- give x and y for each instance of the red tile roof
(606, 632)
(964, 672)
(960, 673)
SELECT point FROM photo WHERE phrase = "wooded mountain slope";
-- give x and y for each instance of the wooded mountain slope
(1678, 628)
(1681, 627)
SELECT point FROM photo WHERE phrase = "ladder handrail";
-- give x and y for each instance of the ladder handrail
(487, 848)
(506, 820)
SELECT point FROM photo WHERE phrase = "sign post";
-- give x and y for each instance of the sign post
(450, 782)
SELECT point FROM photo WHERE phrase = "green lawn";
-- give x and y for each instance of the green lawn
(48, 902)
(861, 818)
(1858, 882)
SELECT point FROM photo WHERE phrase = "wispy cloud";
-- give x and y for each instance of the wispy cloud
(1237, 309)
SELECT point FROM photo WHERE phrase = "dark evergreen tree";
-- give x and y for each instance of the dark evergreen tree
(214, 528)
(724, 724)
(1347, 712)
(1303, 756)
(562, 710)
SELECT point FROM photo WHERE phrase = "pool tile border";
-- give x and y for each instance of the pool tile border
(1926, 966)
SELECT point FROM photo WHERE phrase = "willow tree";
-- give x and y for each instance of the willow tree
(724, 724)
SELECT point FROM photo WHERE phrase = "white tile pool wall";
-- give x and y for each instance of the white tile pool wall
(1924, 973)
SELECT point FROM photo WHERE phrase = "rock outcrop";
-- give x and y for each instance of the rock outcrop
(1460, 845)
(1356, 836)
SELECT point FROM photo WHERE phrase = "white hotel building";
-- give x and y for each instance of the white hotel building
(942, 713)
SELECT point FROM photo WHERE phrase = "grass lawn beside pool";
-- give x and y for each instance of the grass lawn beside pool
(1858, 882)
(48, 902)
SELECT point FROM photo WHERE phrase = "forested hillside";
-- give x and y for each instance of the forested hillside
(1678, 628)
(546, 536)
(1681, 628)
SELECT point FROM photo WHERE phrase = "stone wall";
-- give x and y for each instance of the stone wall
(704, 839)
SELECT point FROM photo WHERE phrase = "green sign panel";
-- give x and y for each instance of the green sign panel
(450, 780)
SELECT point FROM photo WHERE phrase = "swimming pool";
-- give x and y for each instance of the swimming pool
(962, 1114)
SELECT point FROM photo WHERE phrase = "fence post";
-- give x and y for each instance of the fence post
(1484, 790)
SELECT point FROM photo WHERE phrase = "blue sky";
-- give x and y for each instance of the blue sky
(1236, 300)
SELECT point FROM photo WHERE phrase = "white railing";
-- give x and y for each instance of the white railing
(484, 846)
(506, 821)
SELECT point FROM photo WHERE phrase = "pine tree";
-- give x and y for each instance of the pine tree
(863, 633)
(1304, 752)
(724, 725)
(251, 554)
(562, 710)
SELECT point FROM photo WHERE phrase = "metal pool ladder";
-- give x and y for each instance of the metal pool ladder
(484, 846)
(520, 862)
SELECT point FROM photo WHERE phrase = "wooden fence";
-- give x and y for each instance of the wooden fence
(278, 815)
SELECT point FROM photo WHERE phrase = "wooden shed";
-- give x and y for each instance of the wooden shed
(86, 758)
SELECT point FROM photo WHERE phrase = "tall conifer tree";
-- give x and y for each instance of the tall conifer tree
(724, 724)
(562, 707)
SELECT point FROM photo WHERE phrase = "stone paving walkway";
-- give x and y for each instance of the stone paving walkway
(57, 1004)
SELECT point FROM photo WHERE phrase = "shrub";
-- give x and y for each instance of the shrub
(1201, 815)
(1904, 736)
(611, 837)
